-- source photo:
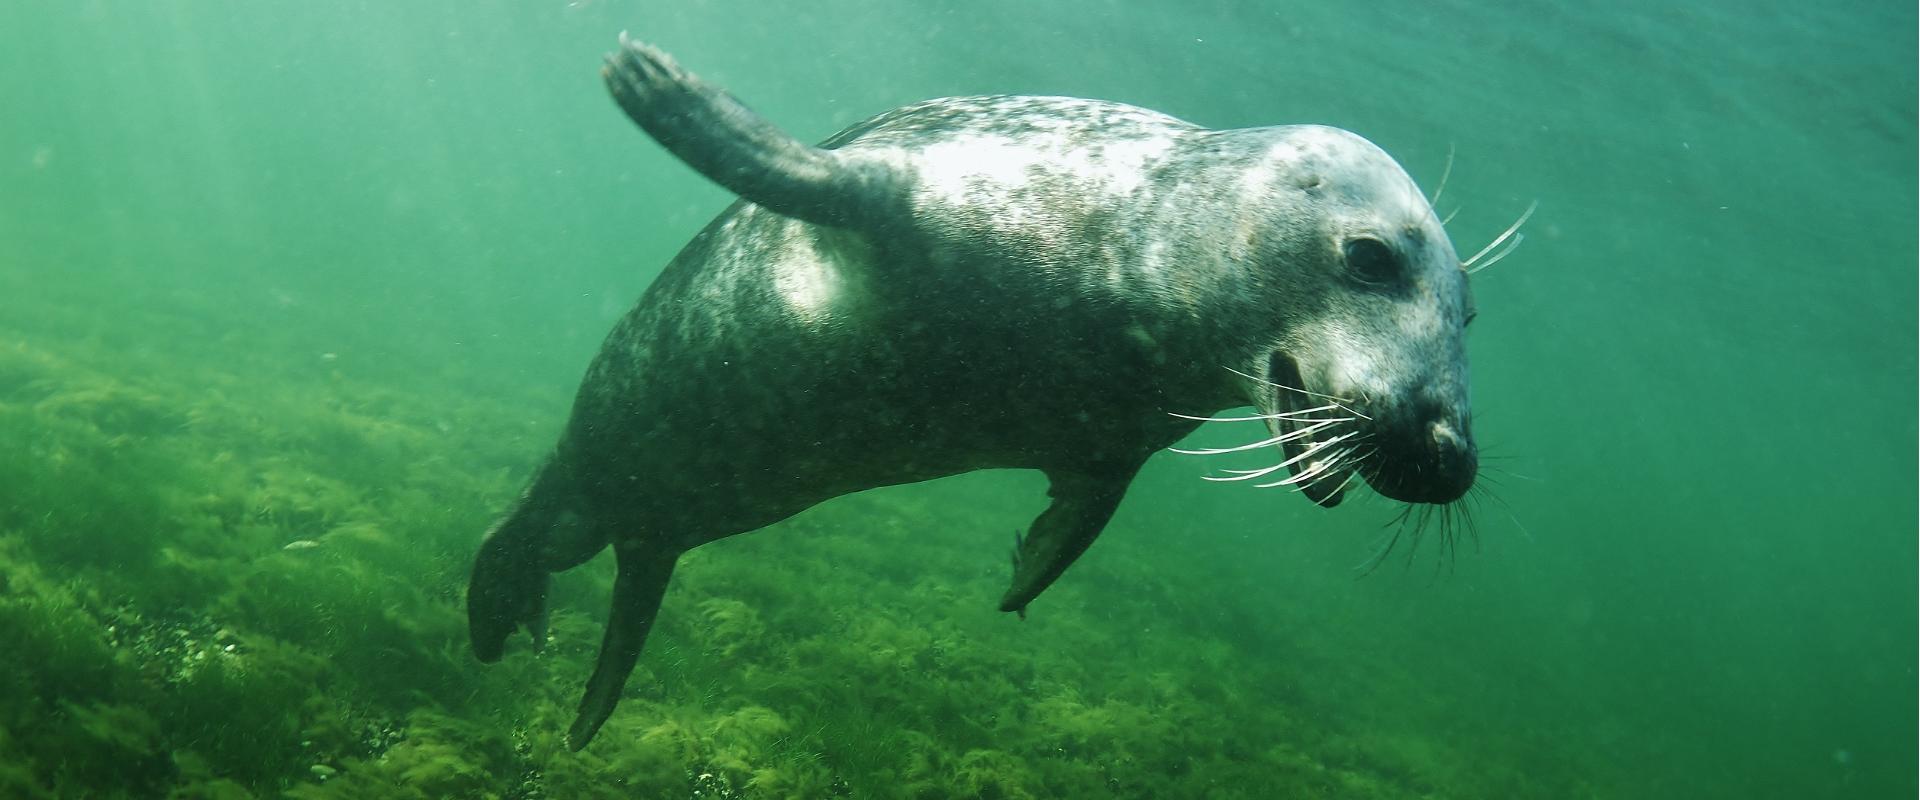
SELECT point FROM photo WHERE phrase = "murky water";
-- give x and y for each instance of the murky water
(292, 297)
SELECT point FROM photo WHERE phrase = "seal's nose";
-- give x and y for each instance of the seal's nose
(1458, 461)
(1427, 462)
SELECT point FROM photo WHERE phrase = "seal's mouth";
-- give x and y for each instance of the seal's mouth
(1411, 449)
(1315, 432)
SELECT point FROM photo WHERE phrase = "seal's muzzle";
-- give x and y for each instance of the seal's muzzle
(1426, 455)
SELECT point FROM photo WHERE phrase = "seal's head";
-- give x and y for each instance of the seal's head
(1364, 367)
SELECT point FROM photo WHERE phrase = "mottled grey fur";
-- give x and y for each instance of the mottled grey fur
(969, 283)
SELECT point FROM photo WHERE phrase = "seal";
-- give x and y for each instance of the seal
(1042, 283)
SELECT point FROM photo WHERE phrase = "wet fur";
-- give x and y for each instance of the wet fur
(967, 283)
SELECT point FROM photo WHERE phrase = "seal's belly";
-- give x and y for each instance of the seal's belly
(833, 410)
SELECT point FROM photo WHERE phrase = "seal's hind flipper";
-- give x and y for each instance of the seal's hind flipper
(508, 590)
(541, 535)
(1082, 504)
(637, 589)
(739, 149)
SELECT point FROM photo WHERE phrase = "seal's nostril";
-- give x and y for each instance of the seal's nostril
(1455, 455)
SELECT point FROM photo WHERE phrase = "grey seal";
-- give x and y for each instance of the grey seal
(1043, 283)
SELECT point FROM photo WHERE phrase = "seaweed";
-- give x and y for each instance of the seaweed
(242, 577)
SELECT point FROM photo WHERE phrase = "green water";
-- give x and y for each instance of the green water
(325, 275)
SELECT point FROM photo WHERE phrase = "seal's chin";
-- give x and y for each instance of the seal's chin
(1319, 470)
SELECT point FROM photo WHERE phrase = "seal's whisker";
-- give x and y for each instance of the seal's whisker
(1399, 525)
(1449, 217)
(1322, 470)
(1445, 172)
(1267, 442)
(1258, 379)
(1511, 246)
(1527, 534)
(1345, 404)
(1349, 410)
(1468, 524)
(1421, 518)
(1446, 520)
(1496, 469)
(1288, 415)
(1314, 449)
(1351, 474)
(1483, 489)
(1333, 464)
(1315, 471)
(1505, 235)
(1251, 474)
(1245, 474)
(1456, 518)
(1449, 533)
(1316, 421)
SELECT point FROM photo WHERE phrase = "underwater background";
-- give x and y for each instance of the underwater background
(294, 295)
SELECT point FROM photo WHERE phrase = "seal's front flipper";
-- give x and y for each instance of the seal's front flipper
(739, 149)
(1082, 504)
(637, 589)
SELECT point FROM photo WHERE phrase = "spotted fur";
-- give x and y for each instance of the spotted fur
(982, 282)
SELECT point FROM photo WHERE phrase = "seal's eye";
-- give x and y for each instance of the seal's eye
(1373, 263)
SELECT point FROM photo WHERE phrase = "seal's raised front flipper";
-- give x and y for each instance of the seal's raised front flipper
(637, 589)
(1082, 504)
(741, 150)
